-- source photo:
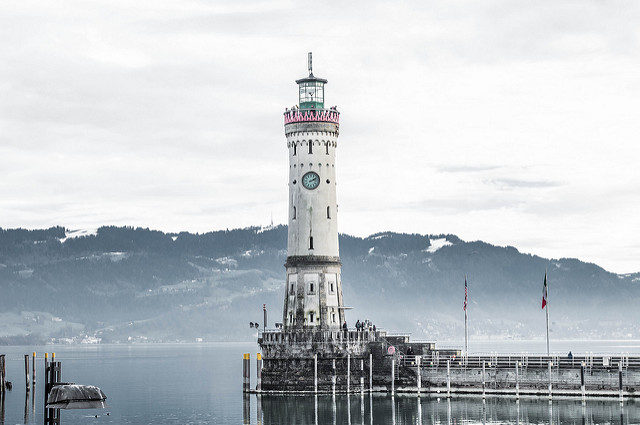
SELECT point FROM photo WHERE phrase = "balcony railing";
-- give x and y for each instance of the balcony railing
(312, 115)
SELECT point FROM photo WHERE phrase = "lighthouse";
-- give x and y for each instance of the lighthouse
(313, 293)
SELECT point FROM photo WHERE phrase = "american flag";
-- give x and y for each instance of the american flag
(465, 294)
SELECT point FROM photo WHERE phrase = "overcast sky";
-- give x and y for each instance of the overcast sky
(513, 122)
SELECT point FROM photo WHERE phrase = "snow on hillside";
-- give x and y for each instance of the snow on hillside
(436, 244)
(71, 234)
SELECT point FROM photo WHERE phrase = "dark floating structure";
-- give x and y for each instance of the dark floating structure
(313, 351)
(72, 396)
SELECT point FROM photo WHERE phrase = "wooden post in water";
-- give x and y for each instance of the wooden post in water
(246, 379)
(448, 378)
(3, 378)
(393, 376)
(549, 366)
(258, 371)
(361, 376)
(333, 378)
(33, 370)
(582, 385)
(419, 375)
(315, 373)
(517, 381)
(483, 381)
(370, 372)
(348, 373)
(620, 379)
(27, 384)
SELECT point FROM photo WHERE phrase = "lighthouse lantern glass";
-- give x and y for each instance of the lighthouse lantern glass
(311, 95)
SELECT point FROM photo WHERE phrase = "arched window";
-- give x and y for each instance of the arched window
(310, 242)
(328, 212)
(294, 213)
(310, 147)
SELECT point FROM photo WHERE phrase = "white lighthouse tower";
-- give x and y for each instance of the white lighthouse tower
(313, 295)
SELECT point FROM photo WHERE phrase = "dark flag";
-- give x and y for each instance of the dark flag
(544, 292)
(464, 307)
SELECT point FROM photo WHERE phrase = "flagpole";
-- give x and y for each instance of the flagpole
(547, 310)
(466, 333)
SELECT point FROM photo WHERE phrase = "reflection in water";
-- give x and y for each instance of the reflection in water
(427, 409)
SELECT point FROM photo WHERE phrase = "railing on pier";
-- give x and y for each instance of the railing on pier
(540, 361)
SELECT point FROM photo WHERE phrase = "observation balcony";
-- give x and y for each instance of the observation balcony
(330, 115)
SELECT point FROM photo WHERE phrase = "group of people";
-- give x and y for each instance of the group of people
(365, 325)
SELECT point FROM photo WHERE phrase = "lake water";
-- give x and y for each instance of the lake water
(201, 384)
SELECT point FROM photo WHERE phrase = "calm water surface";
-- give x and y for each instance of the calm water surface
(201, 384)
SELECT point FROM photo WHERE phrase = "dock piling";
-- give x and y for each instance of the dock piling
(3, 378)
(419, 374)
(315, 373)
(620, 379)
(258, 371)
(448, 378)
(370, 372)
(517, 380)
(483, 380)
(393, 376)
(27, 384)
(333, 378)
(33, 370)
(348, 373)
(361, 376)
(582, 386)
(549, 366)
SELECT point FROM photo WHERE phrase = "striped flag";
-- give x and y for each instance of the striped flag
(544, 292)
(465, 294)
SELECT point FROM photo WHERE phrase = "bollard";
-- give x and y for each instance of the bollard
(244, 372)
(483, 381)
(33, 370)
(419, 377)
(315, 373)
(333, 379)
(258, 371)
(393, 376)
(582, 386)
(448, 378)
(348, 373)
(620, 379)
(549, 366)
(361, 376)
(517, 381)
(370, 372)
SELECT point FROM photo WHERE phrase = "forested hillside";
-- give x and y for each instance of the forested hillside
(119, 284)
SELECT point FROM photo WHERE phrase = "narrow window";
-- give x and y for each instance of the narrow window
(310, 147)
(295, 146)
(333, 317)
(328, 213)
(331, 287)
(292, 288)
(310, 242)
(294, 213)
(327, 146)
(311, 316)
(311, 288)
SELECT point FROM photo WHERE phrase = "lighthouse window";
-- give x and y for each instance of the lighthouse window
(333, 317)
(327, 147)
(310, 147)
(310, 242)
(331, 287)
(294, 213)
(311, 288)
(311, 316)
(328, 212)
(294, 149)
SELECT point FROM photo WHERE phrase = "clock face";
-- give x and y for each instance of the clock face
(311, 180)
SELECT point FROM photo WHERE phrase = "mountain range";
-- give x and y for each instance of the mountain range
(124, 284)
